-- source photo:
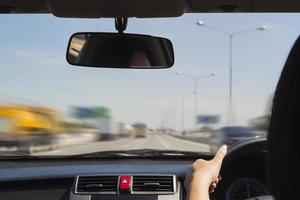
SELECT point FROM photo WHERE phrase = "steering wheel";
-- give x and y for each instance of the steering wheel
(236, 154)
(251, 146)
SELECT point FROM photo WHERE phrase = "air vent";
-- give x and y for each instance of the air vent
(154, 184)
(96, 185)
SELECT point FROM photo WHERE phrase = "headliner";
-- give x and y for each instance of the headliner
(144, 8)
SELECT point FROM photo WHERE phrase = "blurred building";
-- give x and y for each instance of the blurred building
(100, 118)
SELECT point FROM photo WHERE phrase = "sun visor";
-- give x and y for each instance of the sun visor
(116, 8)
(249, 6)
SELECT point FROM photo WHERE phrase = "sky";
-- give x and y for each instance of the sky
(33, 69)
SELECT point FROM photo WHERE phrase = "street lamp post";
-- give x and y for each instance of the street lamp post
(230, 35)
(182, 112)
(182, 100)
(195, 79)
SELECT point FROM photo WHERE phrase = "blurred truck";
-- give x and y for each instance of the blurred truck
(24, 126)
(140, 129)
(109, 128)
(125, 130)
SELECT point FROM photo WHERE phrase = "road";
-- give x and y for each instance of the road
(152, 141)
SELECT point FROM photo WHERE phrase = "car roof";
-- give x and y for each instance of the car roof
(143, 8)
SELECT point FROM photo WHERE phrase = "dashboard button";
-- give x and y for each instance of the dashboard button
(125, 183)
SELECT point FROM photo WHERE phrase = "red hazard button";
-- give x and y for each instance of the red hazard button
(125, 183)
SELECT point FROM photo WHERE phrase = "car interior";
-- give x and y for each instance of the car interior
(152, 175)
(68, 178)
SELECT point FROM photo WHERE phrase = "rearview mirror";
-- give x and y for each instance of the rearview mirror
(119, 50)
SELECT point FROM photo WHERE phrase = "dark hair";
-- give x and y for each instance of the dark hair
(284, 131)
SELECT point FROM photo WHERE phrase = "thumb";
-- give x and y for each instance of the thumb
(220, 154)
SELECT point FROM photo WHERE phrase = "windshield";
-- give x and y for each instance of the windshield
(225, 73)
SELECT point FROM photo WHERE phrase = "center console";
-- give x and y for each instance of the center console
(126, 187)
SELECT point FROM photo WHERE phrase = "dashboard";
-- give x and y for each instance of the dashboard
(243, 175)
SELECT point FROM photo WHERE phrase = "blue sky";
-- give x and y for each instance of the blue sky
(33, 67)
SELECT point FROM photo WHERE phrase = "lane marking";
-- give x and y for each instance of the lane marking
(139, 143)
(133, 142)
(189, 142)
(162, 142)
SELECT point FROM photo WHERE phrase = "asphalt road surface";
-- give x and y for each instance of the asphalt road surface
(152, 141)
